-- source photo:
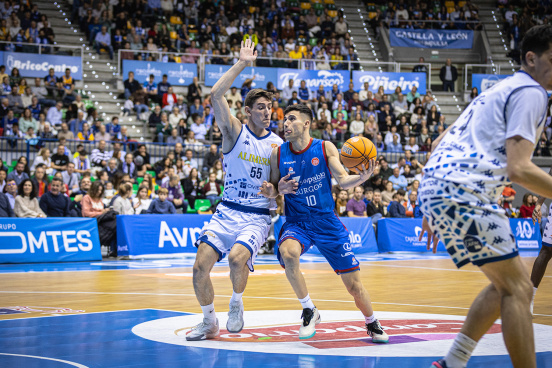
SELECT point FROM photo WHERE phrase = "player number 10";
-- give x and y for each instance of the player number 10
(311, 201)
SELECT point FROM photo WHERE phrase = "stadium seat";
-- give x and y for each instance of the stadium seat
(305, 5)
(332, 13)
(372, 15)
(313, 41)
(329, 2)
(449, 4)
(450, 10)
(174, 35)
(135, 188)
(92, 179)
(139, 180)
(175, 20)
(152, 173)
(202, 205)
(190, 210)
(461, 4)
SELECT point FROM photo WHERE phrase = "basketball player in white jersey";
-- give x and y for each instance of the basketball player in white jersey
(489, 146)
(545, 254)
(241, 222)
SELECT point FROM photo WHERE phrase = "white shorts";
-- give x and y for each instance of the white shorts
(547, 234)
(230, 226)
(472, 227)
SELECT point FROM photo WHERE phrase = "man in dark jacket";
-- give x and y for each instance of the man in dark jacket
(448, 75)
(131, 85)
(54, 203)
(375, 208)
(396, 209)
(5, 208)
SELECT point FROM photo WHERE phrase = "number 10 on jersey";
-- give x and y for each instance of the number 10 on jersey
(311, 200)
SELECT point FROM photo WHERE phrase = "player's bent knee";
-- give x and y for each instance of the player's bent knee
(239, 256)
(290, 250)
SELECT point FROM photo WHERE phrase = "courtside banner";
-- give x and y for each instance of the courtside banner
(485, 81)
(52, 239)
(527, 235)
(262, 75)
(431, 38)
(390, 81)
(362, 238)
(38, 65)
(314, 78)
(178, 74)
(401, 235)
(158, 234)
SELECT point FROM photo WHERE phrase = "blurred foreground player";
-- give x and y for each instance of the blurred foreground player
(490, 144)
(302, 169)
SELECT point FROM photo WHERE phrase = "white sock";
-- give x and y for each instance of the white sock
(236, 297)
(306, 302)
(209, 312)
(460, 352)
(370, 319)
(534, 293)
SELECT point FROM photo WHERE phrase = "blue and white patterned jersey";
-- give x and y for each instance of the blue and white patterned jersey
(473, 152)
(247, 165)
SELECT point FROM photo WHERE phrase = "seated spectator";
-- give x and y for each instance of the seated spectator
(82, 163)
(131, 85)
(398, 180)
(396, 209)
(211, 190)
(164, 128)
(174, 138)
(19, 174)
(5, 207)
(198, 128)
(40, 182)
(375, 209)
(412, 146)
(412, 207)
(54, 203)
(395, 146)
(14, 100)
(112, 168)
(122, 205)
(387, 194)
(70, 178)
(103, 41)
(143, 162)
(60, 159)
(526, 209)
(357, 125)
(341, 203)
(160, 205)
(75, 125)
(129, 167)
(26, 203)
(412, 95)
(214, 134)
(175, 193)
(191, 187)
(113, 128)
(356, 206)
(169, 100)
(150, 88)
(142, 201)
(92, 205)
(11, 191)
(100, 156)
(54, 115)
(86, 134)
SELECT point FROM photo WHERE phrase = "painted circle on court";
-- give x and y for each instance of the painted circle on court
(340, 333)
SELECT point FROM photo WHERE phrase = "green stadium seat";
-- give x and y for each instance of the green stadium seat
(135, 188)
(152, 173)
(202, 204)
(139, 180)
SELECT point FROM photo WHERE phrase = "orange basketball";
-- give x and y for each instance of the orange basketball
(357, 151)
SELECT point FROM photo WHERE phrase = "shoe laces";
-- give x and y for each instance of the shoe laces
(374, 328)
(307, 316)
(199, 326)
(234, 308)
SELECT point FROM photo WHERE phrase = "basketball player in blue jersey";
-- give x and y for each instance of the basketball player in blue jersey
(241, 222)
(301, 169)
(488, 147)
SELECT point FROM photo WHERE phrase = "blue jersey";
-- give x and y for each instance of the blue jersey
(313, 200)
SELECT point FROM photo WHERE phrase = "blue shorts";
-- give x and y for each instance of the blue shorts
(330, 237)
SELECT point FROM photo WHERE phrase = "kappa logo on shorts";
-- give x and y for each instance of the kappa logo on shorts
(340, 333)
(347, 247)
(473, 244)
(208, 233)
(315, 161)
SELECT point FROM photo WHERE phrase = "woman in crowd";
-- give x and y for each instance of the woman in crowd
(3, 175)
(92, 205)
(214, 133)
(26, 203)
(433, 116)
(191, 187)
(142, 200)
(161, 167)
(387, 194)
(526, 209)
(40, 181)
(23, 159)
(122, 204)
(218, 171)
(43, 158)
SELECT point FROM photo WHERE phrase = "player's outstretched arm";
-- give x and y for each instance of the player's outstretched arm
(523, 171)
(345, 180)
(229, 125)
(270, 189)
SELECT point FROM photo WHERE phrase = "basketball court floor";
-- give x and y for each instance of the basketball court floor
(136, 314)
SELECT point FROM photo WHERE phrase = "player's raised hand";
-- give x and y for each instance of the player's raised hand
(537, 214)
(287, 185)
(431, 236)
(247, 51)
(267, 190)
(366, 172)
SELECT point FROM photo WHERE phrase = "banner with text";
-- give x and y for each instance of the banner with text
(527, 235)
(395, 235)
(262, 75)
(314, 78)
(178, 74)
(155, 234)
(390, 81)
(38, 65)
(485, 81)
(25, 240)
(361, 234)
(431, 38)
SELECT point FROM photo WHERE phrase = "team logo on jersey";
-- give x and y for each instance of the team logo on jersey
(340, 333)
(273, 145)
(315, 161)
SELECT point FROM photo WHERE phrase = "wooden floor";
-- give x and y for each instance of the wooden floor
(421, 286)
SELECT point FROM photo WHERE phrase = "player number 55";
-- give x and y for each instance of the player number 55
(256, 172)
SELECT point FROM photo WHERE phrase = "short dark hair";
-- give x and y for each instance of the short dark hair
(401, 192)
(537, 39)
(369, 189)
(254, 95)
(301, 108)
(57, 179)
(20, 188)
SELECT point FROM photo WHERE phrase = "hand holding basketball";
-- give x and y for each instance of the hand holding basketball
(286, 186)
(366, 172)
(356, 152)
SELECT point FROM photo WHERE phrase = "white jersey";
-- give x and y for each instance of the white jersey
(247, 166)
(473, 152)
